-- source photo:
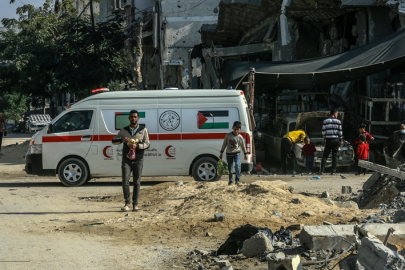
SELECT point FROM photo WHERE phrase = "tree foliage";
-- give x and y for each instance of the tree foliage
(49, 50)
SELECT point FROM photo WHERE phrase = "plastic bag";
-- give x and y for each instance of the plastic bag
(222, 168)
(131, 154)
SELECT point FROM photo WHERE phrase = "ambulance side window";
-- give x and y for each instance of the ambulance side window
(73, 121)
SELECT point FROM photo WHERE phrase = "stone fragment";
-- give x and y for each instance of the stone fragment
(201, 252)
(347, 204)
(399, 216)
(371, 181)
(296, 201)
(325, 194)
(180, 183)
(201, 267)
(209, 234)
(223, 263)
(219, 217)
(292, 262)
(308, 213)
(373, 255)
(256, 245)
(346, 189)
(328, 201)
(327, 223)
(296, 227)
(278, 256)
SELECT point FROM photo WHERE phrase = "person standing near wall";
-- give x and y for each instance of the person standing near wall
(333, 137)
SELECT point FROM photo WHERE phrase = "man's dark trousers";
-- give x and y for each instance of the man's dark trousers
(330, 145)
(1, 139)
(134, 166)
(286, 149)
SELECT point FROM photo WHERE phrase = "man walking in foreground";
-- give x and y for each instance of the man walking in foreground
(140, 134)
(333, 136)
(2, 131)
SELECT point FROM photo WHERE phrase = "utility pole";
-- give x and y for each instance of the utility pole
(94, 31)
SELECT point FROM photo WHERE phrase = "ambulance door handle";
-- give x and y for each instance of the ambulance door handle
(86, 138)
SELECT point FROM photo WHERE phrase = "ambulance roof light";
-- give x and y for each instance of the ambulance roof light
(100, 90)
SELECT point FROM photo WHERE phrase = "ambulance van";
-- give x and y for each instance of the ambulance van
(186, 131)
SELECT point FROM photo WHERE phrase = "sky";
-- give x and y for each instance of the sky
(7, 10)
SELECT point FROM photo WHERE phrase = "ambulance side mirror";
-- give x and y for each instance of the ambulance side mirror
(50, 129)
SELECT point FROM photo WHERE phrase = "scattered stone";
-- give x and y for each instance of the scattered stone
(399, 216)
(180, 183)
(347, 204)
(280, 245)
(346, 189)
(296, 201)
(327, 223)
(227, 268)
(162, 210)
(290, 188)
(373, 255)
(328, 201)
(292, 262)
(209, 234)
(223, 263)
(201, 252)
(279, 256)
(296, 227)
(127, 215)
(219, 217)
(325, 194)
(256, 245)
(308, 213)
(201, 267)
(339, 215)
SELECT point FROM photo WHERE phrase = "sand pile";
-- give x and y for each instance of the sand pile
(15, 153)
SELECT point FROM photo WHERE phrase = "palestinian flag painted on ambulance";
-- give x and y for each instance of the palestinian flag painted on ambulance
(213, 120)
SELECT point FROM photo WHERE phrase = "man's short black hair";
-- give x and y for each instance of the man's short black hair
(362, 125)
(333, 111)
(237, 124)
(134, 111)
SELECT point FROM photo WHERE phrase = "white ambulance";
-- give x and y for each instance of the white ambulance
(186, 131)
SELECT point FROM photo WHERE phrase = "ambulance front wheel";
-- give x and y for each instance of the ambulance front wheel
(73, 172)
(205, 169)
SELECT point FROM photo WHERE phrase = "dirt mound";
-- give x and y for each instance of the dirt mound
(15, 153)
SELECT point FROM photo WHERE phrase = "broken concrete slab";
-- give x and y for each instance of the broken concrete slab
(292, 262)
(256, 245)
(328, 201)
(373, 255)
(278, 256)
(399, 216)
(371, 181)
(325, 236)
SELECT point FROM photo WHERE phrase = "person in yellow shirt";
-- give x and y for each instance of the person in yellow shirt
(287, 143)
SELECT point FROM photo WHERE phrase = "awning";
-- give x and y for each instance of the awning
(358, 63)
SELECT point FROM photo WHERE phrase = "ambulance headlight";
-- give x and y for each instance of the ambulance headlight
(36, 149)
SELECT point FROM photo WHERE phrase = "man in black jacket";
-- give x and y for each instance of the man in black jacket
(133, 131)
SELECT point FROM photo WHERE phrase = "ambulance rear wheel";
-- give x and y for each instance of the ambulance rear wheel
(205, 169)
(73, 172)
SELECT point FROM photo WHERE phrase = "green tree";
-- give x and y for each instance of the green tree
(54, 51)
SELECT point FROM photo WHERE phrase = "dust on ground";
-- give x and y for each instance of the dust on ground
(183, 215)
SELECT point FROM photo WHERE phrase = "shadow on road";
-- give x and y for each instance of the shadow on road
(59, 184)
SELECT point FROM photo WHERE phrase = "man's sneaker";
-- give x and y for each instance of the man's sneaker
(127, 207)
(136, 208)
(230, 182)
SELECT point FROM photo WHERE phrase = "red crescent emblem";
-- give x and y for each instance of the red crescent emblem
(167, 151)
(105, 152)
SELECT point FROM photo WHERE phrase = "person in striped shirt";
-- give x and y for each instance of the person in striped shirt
(333, 136)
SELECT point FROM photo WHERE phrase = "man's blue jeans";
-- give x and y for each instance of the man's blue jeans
(231, 160)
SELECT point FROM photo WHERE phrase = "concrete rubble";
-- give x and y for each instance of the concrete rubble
(257, 245)
(290, 262)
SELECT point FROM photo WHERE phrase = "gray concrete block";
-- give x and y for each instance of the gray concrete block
(346, 190)
(256, 245)
(219, 217)
(325, 236)
(292, 262)
(373, 255)
(371, 181)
